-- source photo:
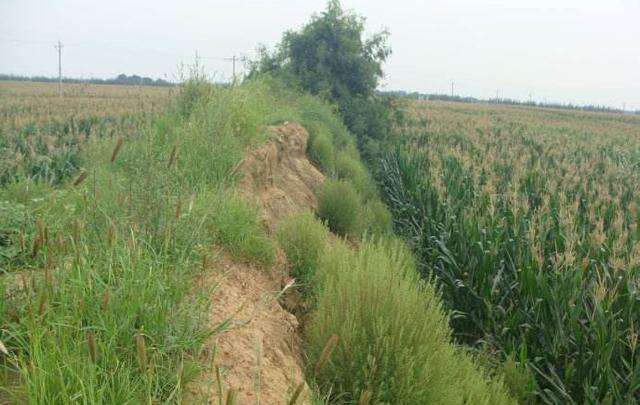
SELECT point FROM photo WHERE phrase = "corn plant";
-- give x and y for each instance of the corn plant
(529, 221)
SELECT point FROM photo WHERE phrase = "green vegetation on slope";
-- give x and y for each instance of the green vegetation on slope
(394, 338)
(95, 275)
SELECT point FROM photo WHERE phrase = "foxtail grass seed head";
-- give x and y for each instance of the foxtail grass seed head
(35, 248)
(178, 208)
(219, 383)
(111, 233)
(180, 373)
(41, 231)
(21, 241)
(192, 198)
(325, 356)
(44, 296)
(3, 349)
(231, 397)
(93, 346)
(141, 351)
(116, 149)
(82, 177)
(172, 156)
(365, 397)
(106, 299)
(296, 394)
(13, 315)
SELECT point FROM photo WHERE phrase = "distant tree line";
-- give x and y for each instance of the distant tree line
(122, 79)
(505, 101)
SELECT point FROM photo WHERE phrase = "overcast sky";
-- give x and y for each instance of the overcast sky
(579, 51)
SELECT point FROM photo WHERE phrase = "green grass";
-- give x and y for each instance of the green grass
(349, 167)
(340, 205)
(304, 239)
(378, 220)
(234, 225)
(322, 151)
(393, 336)
(133, 234)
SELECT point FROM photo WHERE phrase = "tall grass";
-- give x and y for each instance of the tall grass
(99, 306)
(304, 239)
(393, 336)
(341, 206)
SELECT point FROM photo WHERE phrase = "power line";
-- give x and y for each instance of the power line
(233, 59)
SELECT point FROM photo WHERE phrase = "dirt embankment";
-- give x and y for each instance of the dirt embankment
(260, 356)
(278, 176)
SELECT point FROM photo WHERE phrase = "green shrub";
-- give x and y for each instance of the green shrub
(394, 337)
(195, 93)
(235, 225)
(322, 151)
(350, 168)
(340, 205)
(378, 219)
(303, 238)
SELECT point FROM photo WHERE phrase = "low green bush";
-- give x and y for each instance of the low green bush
(340, 205)
(350, 168)
(378, 219)
(393, 335)
(236, 226)
(322, 151)
(304, 239)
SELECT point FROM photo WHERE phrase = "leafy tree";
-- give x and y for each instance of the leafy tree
(330, 57)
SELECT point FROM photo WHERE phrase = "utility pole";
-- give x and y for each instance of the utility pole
(197, 60)
(233, 59)
(58, 46)
(452, 84)
(497, 95)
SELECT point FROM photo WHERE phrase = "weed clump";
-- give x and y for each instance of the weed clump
(394, 338)
(350, 168)
(235, 225)
(304, 239)
(378, 219)
(340, 205)
(322, 151)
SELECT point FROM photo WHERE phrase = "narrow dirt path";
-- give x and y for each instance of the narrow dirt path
(260, 356)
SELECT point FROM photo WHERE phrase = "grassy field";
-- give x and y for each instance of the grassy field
(41, 133)
(528, 218)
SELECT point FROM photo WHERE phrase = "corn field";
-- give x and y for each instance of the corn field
(528, 219)
(41, 133)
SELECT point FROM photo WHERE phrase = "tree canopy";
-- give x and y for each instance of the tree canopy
(331, 57)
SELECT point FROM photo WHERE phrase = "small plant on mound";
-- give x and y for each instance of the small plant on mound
(322, 151)
(303, 238)
(235, 225)
(350, 168)
(393, 335)
(340, 205)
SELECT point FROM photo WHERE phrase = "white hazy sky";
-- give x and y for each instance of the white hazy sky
(579, 51)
